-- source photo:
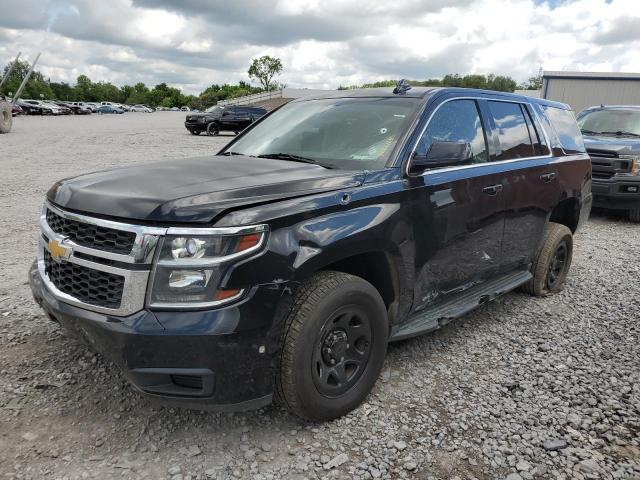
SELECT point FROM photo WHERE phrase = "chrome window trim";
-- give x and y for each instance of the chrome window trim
(146, 246)
(460, 167)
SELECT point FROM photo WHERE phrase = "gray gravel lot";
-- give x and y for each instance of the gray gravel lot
(522, 388)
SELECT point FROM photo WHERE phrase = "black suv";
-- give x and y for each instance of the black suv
(612, 136)
(282, 266)
(218, 119)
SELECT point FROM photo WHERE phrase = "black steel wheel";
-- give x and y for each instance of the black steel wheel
(333, 344)
(341, 351)
(557, 265)
(551, 266)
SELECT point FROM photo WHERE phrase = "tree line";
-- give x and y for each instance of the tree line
(86, 90)
(263, 69)
(499, 83)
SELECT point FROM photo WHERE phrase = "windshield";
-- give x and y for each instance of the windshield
(214, 109)
(344, 133)
(621, 122)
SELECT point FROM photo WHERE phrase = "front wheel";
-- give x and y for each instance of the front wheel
(634, 215)
(333, 346)
(212, 129)
(551, 267)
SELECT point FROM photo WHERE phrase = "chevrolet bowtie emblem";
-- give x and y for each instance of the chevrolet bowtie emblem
(58, 251)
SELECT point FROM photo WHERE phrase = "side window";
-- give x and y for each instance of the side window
(567, 129)
(539, 142)
(456, 121)
(513, 132)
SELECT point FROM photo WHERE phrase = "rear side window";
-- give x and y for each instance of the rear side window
(513, 130)
(456, 121)
(567, 129)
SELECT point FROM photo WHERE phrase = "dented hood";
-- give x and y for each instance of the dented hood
(194, 190)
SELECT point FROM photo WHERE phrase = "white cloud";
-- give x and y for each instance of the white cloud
(323, 44)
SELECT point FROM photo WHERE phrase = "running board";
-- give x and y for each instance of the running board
(436, 316)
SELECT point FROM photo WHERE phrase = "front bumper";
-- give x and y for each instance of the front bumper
(215, 359)
(616, 193)
(193, 125)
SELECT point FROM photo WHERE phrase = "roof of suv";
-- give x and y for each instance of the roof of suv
(426, 92)
(613, 107)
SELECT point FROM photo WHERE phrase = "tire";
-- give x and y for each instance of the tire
(6, 118)
(212, 129)
(551, 266)
(634, 215)
(334, 316)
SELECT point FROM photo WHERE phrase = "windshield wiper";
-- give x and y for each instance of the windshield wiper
(293, 158)
(589, 132)
(621, 133)
(229, 153)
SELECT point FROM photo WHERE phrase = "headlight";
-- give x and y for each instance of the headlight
(192, 263)
(635, 163)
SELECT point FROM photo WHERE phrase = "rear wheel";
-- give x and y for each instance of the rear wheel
(6, 120)
(333, 346)
(551, 267)
(212, 129)
(634, 215)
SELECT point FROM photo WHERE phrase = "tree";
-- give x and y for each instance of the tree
(264, 69)
(534, 83)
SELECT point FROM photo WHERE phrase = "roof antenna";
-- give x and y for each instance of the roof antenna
(402, 87)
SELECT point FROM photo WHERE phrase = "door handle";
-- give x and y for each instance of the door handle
(492, 189)
(547, 177)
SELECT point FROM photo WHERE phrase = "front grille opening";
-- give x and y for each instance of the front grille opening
(93, 287)
(193, 382)
(92, 236)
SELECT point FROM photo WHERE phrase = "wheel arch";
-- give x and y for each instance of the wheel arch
(567, 213)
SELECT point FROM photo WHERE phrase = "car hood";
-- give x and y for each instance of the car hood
(620, 145)
(194, 190)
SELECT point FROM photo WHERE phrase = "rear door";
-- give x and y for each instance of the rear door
(531, 185)
(458, 220)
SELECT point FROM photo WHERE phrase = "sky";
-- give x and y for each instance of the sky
(192, 44)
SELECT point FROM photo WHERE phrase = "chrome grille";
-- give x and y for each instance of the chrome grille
(101, 289)
(92, 236)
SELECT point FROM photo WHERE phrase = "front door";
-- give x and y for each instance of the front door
(459, 211)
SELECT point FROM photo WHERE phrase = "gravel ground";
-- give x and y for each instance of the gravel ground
(521, 388)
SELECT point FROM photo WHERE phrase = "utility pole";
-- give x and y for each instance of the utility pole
(11, 67)
(25, 80)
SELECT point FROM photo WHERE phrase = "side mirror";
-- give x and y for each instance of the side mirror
(443, 154)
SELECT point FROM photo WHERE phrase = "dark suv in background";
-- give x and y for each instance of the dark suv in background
(282, 266)
(612, 137)
(214, 120)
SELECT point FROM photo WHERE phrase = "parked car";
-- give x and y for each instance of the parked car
(43, 108)
(219, 119)
(64, 109)
(80, 108)
(141, 108)
(282, 266)
(93, 106)
(184, 109)
(109, 109)
(612, 136)
(16, 110)
(29, 108)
